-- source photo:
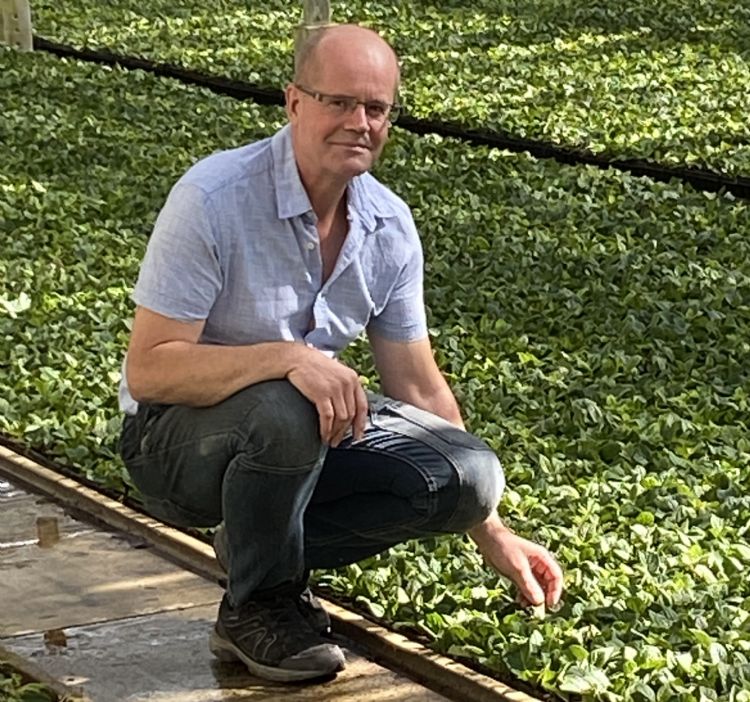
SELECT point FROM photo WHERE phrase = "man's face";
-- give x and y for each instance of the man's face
(328, 142)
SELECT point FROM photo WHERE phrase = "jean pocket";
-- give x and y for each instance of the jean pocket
(136, 430)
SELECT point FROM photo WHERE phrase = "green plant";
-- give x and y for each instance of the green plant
(662, 81)
(13, 688)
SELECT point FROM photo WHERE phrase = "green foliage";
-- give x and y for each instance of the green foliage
(594, 326)
(13, 689)
(665, 81)
(75, 211)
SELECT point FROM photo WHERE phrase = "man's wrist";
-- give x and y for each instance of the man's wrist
(294, 354)
(489, 530)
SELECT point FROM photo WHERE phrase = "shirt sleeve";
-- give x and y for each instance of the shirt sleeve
(181, 274)
(403, 317)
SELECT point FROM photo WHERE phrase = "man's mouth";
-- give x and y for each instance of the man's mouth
(352, 146)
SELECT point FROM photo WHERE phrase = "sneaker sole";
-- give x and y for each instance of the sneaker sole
(226, 651)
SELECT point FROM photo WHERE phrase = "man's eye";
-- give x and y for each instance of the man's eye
(338, 103)
(376, 109)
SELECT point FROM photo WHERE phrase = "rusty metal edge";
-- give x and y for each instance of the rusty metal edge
(31, 671)
(439, 673)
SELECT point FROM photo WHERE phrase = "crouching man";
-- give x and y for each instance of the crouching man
(265, 262)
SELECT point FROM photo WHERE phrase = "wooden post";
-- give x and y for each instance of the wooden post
(15, 24)
(317, 14)
(47, 531)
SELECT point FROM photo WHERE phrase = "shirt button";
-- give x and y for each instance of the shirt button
(310, 245)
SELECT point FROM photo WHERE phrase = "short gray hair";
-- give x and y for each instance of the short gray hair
(305, 51)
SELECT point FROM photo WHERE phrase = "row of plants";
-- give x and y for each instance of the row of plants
(594, 326)
(667, 82)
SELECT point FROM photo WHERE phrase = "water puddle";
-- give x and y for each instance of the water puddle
(8, 491)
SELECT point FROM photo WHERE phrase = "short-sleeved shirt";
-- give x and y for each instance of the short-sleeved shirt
(236, 245)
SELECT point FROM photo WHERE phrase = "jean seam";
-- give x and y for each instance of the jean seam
(234, 432)
(238, 435)
(255, 467)
(195, 517)
(429, 480)
(169, 497)
(390, 408)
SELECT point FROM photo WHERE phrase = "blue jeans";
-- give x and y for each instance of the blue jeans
(291, 503)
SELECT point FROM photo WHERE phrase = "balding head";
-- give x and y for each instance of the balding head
(335, 43)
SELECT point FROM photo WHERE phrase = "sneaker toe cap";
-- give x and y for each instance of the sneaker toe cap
(326, 658)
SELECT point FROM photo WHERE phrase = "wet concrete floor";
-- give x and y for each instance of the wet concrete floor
(105, 613)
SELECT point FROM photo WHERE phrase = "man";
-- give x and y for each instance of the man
(265, 262)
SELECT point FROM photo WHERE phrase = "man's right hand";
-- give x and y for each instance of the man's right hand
(335, 391)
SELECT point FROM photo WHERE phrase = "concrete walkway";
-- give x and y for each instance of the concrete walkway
(104, 613)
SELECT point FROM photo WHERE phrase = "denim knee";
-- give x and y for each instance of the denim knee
(481, 485)
(281, 430)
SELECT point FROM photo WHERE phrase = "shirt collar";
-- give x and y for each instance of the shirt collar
(368, 202)
(292, 199)
(291, 196)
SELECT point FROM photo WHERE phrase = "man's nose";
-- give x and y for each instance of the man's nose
(357, 119)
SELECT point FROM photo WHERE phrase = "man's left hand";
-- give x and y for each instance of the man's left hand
(531, 567)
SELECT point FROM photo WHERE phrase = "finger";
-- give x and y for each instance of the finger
(549, 572)
(360, 415)
(326, 415)
(342, 418)
(554, 590)
(555, 583)
(351, 401)
(528, 584)
(344, 421)
(339, 430)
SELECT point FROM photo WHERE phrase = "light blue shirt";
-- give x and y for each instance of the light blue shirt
(236, 245)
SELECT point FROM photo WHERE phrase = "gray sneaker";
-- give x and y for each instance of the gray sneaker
(308, 605)
(273, 640)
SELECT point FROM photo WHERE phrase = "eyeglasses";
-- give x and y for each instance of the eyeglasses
(378, 113)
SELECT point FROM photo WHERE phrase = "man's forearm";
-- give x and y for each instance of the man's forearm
(439, 400)
(443, 403)
(200, 375)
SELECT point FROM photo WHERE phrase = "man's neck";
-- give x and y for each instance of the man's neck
(326, 195)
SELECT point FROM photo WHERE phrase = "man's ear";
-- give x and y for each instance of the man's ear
(291, 101)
